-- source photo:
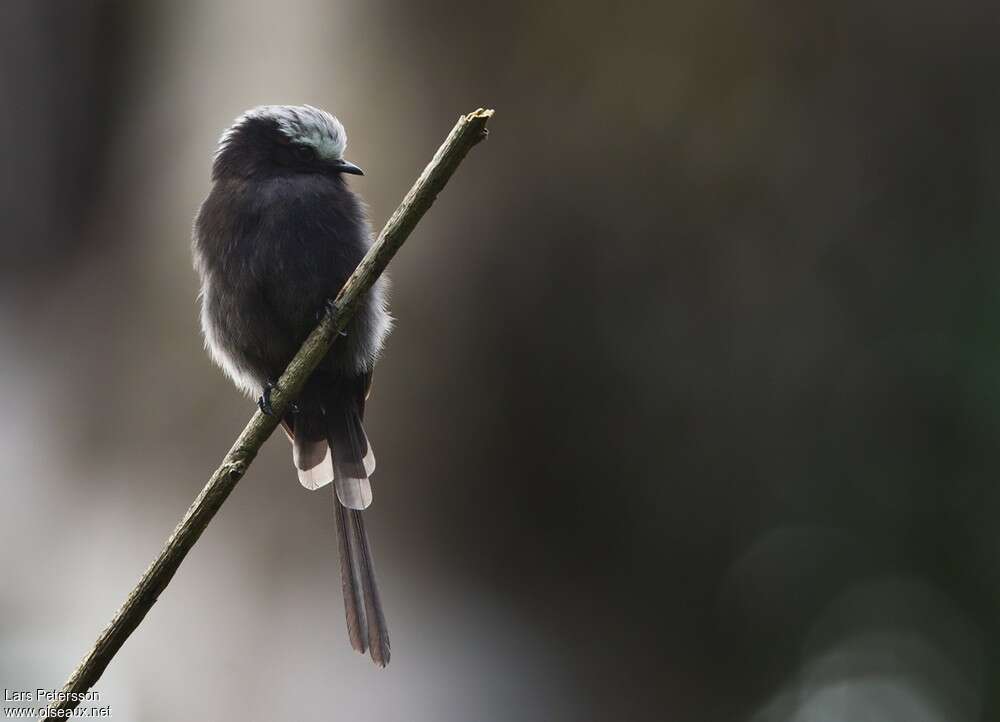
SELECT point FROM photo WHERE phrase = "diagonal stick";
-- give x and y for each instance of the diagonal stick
(469, 131)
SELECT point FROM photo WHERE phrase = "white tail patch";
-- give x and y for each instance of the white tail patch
(369, 460)
(319, 471)
(354, 493)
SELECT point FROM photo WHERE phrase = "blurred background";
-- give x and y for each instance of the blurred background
(729, 268)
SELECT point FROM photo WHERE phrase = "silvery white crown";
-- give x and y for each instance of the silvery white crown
(301, 124)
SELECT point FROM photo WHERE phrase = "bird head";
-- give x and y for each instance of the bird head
(280, 140)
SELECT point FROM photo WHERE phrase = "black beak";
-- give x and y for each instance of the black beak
(344, 166)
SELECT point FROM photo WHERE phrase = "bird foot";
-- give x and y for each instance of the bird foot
(264, 402)
(331, 306)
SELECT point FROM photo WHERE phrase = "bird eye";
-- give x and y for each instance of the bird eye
(304, 153)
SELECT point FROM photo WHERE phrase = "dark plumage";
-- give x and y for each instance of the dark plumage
(276, 238)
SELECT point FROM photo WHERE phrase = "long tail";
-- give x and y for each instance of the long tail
(350, 581)
(364, 584)
(352, 464)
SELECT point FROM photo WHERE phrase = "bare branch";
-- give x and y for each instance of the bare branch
(469, 130)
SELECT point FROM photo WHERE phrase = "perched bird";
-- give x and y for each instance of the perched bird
(277, 237)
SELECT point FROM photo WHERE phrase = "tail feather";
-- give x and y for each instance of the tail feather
(350, 581)
(310, 447)
(378, 632)
(313, 462)
(369, 460)
(350, 451)
(352, 462)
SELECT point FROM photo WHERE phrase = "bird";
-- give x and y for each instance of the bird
(275, 239)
